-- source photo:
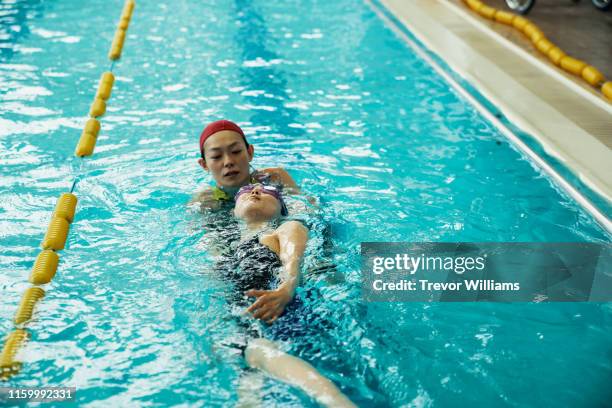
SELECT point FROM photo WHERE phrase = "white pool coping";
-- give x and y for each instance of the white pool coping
(571, 124)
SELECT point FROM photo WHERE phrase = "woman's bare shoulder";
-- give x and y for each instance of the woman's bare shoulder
(202, 195)
(280, 175)
(274, 170)
(205, 198)
(292, 226)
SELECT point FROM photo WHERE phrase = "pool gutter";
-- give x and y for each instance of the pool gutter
(518, 94)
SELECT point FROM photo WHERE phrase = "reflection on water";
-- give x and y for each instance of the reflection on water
(264, 82)
(14, 18)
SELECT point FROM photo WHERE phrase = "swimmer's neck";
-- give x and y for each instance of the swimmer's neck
(255, 227)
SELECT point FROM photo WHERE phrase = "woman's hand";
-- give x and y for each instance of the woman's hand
(270, 304)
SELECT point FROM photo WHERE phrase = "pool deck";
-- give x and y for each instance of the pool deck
(572, 123)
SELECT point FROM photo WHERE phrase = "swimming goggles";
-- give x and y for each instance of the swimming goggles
(265, 189)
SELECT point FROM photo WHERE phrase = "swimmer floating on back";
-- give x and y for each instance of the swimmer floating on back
(226, 154)
(265, 255)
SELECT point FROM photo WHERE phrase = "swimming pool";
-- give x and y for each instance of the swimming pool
(325, 89)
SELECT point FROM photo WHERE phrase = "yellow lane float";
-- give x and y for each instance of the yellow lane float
(544, 45)
(124, 22)
(533, 32)
(28, 301)
(117, 45)
(105, 86)
(536, 35)
(486, 11)
(607, 89)
(519, 22)
(504, 17)
(87, 142)
(119, 38)
(56, 235)
(529, 28)
(66, 206)
(98, 108)
(573, 65)
(44, 267)
(86, 145)
(8, 365)
(555, 54)
(474, 4)
(592, 75)
(128, 9)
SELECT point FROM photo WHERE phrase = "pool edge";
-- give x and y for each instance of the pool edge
(577, 161)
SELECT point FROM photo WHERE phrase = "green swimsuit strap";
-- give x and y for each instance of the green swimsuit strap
(220, 195)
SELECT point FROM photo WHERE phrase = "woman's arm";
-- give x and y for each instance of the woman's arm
(292, 237)
(205, 198)
(280, 175)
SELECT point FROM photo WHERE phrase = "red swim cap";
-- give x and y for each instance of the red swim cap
(218, 126)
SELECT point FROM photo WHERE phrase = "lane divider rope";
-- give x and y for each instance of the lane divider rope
(45, 265)
(556, 55)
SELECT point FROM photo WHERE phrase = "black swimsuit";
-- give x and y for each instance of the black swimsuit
(251, 265)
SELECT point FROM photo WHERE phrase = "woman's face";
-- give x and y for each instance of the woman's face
(227, 158)
(257, 205)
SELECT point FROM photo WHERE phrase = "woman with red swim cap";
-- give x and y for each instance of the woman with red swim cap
(226, 154)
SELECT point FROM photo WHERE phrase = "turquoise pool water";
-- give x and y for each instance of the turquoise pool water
(137, 316)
